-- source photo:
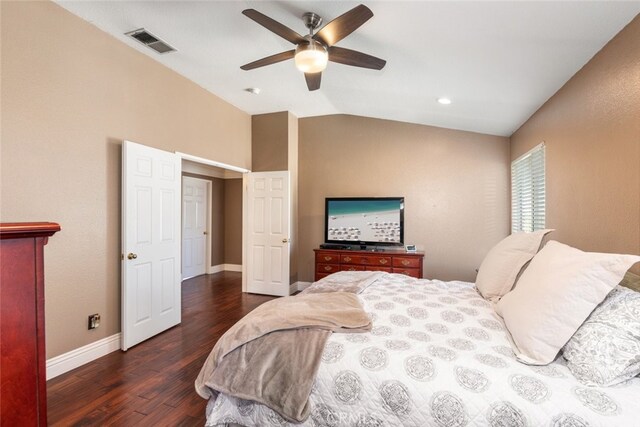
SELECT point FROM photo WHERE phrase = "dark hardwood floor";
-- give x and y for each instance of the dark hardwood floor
(152, 383)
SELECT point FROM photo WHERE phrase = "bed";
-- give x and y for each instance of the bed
(437, 355)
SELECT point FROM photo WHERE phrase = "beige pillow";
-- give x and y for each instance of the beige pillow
(555, 294)
(501, 266)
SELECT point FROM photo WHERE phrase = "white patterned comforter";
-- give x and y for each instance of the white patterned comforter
(438, 356)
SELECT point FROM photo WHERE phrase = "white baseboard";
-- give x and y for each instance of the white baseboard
(300, 286)
(224, 267)
(233, 267)
(75, 358)
(215, 269)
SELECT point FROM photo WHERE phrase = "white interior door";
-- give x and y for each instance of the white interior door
(150, 242)
(268, 224)
(194, 227)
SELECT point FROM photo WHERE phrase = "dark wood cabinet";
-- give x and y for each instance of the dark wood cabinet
(390, 260)
(23, 400)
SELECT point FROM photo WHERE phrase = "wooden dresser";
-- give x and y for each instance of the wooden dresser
(390, 260)
(23, 378)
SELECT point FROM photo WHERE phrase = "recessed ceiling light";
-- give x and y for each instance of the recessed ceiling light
(444, 101)
(253, 90)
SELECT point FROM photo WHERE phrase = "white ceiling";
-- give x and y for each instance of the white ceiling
(497, 61)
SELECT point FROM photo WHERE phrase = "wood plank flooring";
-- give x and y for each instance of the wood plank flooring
(152, 383)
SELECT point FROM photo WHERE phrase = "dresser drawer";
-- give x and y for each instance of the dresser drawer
(345, 267)
(393, 260)
(327, 258)
(375, 260)
(413, 272)
(320, 276)
(406, 262)
(327, 268)
(375, 268)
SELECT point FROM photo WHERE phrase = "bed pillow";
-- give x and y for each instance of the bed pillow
(605, 350)
(555, 294)
(500, 268)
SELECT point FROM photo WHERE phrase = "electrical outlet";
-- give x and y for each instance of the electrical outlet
(94, 321)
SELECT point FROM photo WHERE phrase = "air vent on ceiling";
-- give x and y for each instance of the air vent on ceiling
(149, 40)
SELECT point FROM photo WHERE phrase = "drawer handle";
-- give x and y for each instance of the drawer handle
(327, 268)
(405, 262)
(328, 258)
(347, 259)
(383, 261)
(352, 269)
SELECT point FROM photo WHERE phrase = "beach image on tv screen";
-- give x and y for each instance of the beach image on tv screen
(364, 220)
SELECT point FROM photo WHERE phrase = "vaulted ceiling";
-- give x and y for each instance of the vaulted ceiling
(498, 62)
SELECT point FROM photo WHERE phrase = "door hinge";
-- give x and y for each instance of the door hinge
(121, 257)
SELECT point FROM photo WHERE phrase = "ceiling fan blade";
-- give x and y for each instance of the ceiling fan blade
(278, 57)
(274, 26)
(355, 58)
(313, 80)
(343, 25)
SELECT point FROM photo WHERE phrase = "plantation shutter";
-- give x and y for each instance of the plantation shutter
(528, 191)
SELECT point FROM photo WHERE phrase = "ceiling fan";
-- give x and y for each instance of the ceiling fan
(314, 50)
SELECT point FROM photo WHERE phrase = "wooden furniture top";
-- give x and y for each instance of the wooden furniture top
(391, 260)
(372, 252)
(23, 394)
(19, 230)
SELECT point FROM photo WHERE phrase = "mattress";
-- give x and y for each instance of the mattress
(438, 355)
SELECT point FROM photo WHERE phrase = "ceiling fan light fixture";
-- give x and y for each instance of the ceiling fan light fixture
(314, 50)
(311, 57)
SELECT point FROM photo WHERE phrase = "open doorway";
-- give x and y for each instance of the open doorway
(196, 226)
(152, 229)
(211, 219)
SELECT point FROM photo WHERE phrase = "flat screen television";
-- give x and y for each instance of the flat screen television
(369, 221)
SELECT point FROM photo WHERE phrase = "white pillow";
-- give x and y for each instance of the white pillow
(606, 349)
(555, 294)
(500, 268)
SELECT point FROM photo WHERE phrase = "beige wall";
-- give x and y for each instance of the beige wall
(455, 185)
(218, 209)
(70, 95)
(233, 221)
(269, 142)
(274, 141)
(292, 164)
(591, 128)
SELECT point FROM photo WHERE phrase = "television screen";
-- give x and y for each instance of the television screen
(372, 221)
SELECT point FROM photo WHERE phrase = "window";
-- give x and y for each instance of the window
(528, 191)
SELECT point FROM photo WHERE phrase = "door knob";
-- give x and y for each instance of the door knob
(285, 240)
(132, 255)
(204, 232)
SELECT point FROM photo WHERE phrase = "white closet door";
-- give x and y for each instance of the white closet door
(151, 181)
(194, 227)
(269, 212)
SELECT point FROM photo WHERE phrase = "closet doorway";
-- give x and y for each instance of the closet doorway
(211, 217)
(196, 220)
